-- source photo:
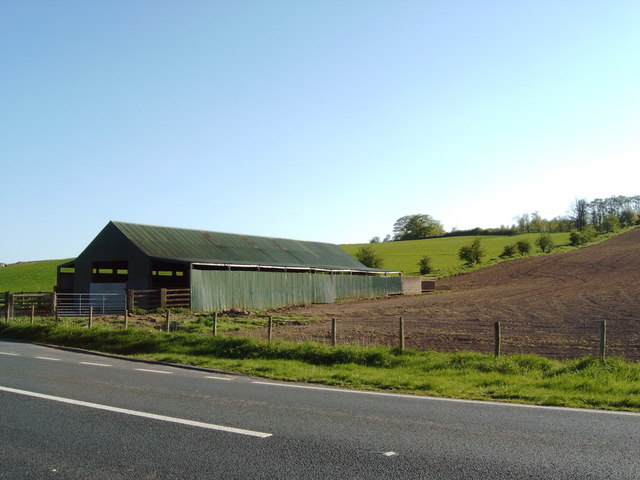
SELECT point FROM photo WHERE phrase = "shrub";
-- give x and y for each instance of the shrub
(368, 257)
(610, 224)
(628, 217)
(545, 243)
(587, 235)
(524, 247)
(576, 238)
(425, 265)
(509, 251)
(472, 253)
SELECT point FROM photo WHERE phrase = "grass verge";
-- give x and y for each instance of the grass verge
(585, 382)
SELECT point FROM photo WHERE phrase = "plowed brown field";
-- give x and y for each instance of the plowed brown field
(549, 305)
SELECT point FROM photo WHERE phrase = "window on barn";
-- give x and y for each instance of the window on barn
(66, 278)
(169, 275)
(110, 272)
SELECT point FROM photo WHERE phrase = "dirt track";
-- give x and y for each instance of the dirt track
(548, 305)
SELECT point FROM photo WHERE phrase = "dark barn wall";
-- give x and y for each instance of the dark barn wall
(112, 246)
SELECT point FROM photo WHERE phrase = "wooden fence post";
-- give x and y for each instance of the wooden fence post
(163, 298)
(270, 328)
(401, 333)
(126, 318)
(9, 306)
(215, 323)
(496, 348)
(91, 316)
(54, 303)
(168, 319)
(334, 332)
(33, 313)
(603, 339)
(131, 299)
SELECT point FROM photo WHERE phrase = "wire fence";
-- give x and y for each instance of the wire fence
(593, 338)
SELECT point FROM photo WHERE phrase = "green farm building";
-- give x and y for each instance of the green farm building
(221, 271)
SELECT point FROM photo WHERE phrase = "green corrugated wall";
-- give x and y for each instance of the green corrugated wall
(215, 290)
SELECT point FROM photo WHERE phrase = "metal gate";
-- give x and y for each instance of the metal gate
(79, 304)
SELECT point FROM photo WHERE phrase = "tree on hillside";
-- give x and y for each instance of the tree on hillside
(425, 265)
(368, 257)
(538, 224)
(587, 235)
(524, 222)
(524, 247)
(509, 251)
(560, 224)
(545, 243)
(628, 217)
(472, 253)
(416, 227)
(580, 212)
(610, 223)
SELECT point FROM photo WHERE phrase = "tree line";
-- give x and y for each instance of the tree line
(584, 222)
(605, 215)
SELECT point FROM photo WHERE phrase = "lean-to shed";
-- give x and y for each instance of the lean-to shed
(222, 270)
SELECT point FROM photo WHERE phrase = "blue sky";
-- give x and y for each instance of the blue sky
(320, 121)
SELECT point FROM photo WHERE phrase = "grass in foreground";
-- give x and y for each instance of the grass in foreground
(585, 382)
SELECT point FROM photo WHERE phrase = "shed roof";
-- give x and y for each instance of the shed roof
(199, 246)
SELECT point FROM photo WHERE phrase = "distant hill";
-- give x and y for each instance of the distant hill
(404, 256)
(29, 276)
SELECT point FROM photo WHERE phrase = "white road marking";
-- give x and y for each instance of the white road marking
(49, 358)
(10, 354)
(136, 413)
(389, 454)
(452, 400)
(219, 378)
(96, 364)
(153, 371)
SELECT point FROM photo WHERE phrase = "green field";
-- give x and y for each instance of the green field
(404, 256)
(29, 277)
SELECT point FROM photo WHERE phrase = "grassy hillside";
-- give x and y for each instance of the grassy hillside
(29, 277)
(404, 256)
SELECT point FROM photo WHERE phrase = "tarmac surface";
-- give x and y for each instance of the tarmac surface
(71, 415)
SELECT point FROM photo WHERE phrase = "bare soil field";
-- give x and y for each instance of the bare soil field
(549, 305)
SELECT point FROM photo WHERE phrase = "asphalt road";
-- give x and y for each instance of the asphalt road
(68, 415)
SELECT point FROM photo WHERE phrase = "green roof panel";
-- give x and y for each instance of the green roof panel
(198, 246)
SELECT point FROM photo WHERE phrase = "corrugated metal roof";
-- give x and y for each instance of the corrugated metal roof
(198, 246)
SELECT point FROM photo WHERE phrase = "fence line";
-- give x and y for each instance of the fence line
(589, 338)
